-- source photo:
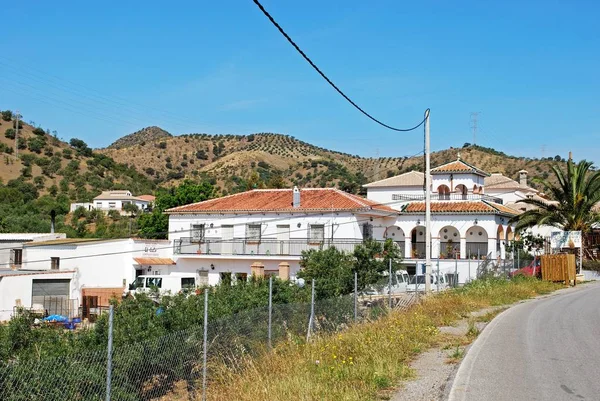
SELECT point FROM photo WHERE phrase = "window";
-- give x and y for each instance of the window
(188, 283)
(153, 282)
(367, 231)
(98, 205)
(17, 257)
(241, 277)
(316, 233)
(112, 205)
(253, 232)
(54, 263)
(197, 232)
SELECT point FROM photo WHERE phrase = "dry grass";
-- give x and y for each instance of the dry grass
(368, 359)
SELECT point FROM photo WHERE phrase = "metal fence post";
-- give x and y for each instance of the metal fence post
(204, 344)
(518, 259)
(312, 311)
(270, 307)
(390, 285)
(355, 296)
(455, 271)
(438, 274)
(109, 355)
(469, 270)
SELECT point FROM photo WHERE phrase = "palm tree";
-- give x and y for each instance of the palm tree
(572, 201)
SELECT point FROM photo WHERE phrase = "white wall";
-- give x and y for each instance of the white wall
(345, 225)
(102, 264)
(7, 246)
(16, 287)
(468, 180)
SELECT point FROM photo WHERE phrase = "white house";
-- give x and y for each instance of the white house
(269, 229)
(115, 200)
(65, 274)
(11, 246)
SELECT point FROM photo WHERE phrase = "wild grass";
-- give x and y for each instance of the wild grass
(366, 360)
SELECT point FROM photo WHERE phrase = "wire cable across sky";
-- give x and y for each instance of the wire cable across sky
(329, 81)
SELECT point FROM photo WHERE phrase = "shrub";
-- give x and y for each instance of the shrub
(162, 145)
(10, 133)
(7, 115)
(201, 155)
(67, 153)
(39, 131)
(36, 144)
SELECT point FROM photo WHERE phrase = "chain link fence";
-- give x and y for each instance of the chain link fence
(176, 367)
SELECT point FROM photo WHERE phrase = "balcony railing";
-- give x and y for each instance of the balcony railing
(447, 197)
(263, 247)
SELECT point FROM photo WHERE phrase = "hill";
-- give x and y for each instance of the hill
(147, 134)
(235, 162)
(54, 166)
(153, 157)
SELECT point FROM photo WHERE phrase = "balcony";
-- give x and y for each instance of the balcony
(263, 247)
(436, 197)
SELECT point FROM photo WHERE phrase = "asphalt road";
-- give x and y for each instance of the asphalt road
(547, 349)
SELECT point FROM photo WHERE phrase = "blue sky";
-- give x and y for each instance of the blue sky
(100, 70)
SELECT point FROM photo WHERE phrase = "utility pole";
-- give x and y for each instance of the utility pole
(17, 135)
(427, 206)
(474, 115)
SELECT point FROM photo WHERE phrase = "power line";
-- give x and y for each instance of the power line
(334, 86)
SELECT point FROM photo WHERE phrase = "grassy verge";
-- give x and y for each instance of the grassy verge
(367, 360)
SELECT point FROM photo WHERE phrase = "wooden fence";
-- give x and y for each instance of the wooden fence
(559, 268)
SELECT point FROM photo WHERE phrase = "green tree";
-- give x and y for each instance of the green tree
(572, 200)
(10, 133)
(39, 131)
(7, 115)
(332, 270)
(131, 208)
(154, 225)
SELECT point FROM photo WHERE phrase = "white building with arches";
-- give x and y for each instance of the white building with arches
(467, 223)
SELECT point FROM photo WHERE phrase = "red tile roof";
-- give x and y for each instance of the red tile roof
(458, 166)
(280, 200)
(149, 198)
(476, 207)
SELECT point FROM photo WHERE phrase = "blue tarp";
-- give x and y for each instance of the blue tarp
(56, 318)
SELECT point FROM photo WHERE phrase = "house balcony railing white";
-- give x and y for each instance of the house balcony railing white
(262, 247)
(447, 197)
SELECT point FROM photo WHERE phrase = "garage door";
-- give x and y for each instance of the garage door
(53, 295)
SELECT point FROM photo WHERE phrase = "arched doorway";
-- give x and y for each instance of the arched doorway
(477, 243)
(396, 234)
(449, 243)
(499, 239)
(417, 237)
(461, 190)
(443, 192)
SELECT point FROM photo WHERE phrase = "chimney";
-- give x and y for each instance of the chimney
(570, 155)
(523, 177)
(52, 221)
(296, 201)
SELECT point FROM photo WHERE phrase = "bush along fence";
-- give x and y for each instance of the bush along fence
(182, 364)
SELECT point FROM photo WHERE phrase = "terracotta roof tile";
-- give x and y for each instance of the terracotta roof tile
(458, 166)
(280, 200)
(477, 207)
(149, 198)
